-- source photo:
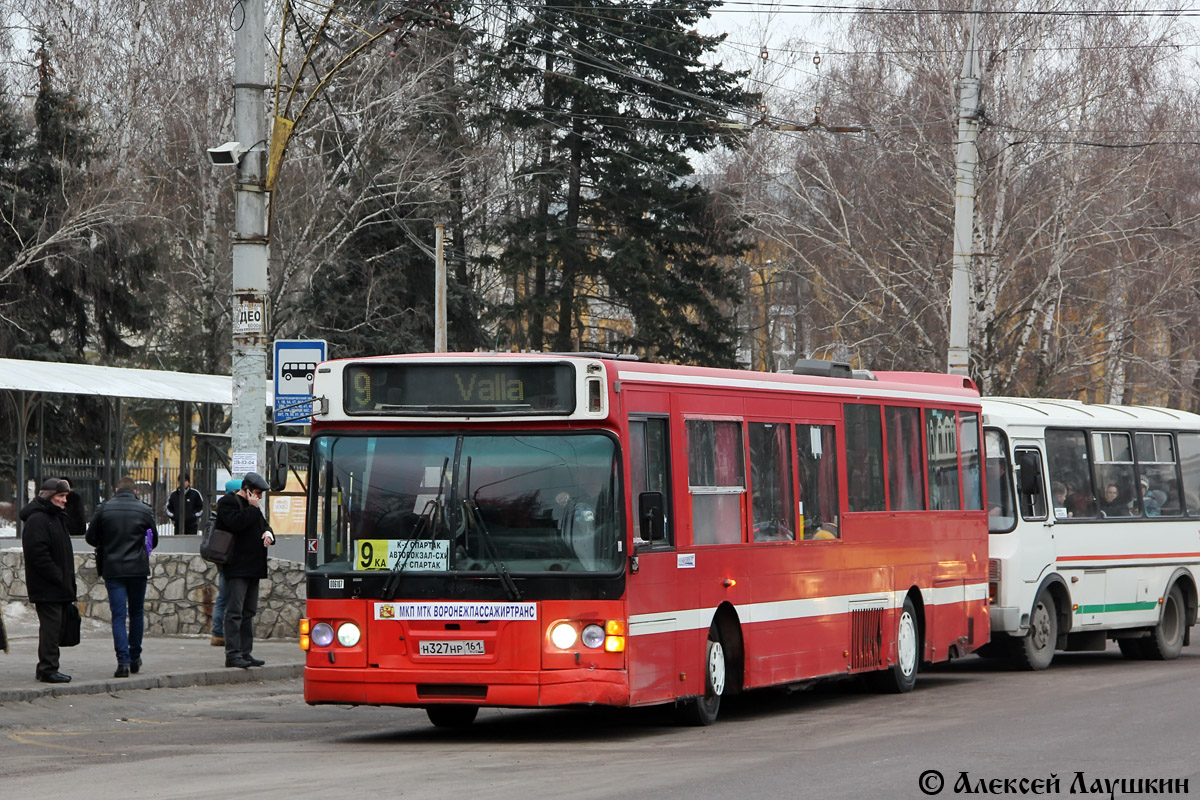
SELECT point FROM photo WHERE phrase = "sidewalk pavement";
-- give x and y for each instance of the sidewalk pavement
(168, 662)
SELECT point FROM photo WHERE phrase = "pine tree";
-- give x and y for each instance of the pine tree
(618, 99)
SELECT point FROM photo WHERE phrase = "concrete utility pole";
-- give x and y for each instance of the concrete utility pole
(964, 203)
(250, 246)
(440, 339)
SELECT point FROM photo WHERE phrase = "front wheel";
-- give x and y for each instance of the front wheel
(901, 677)
(1166, 641)
(703, 710)
(1036, 650)
(452, 716)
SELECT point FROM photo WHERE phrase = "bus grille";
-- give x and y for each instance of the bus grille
(866, 638)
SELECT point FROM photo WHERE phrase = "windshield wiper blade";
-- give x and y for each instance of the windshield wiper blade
(506, 580)
(434, 510)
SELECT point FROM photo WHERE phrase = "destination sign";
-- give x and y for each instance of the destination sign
(466, 389)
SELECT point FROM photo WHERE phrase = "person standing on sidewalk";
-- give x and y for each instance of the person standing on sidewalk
(193, 506)
(49, 571)
(241, 515)
(119, 530)
(232, 486)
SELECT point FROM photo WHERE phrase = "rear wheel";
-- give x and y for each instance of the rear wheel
(1036, 650)
(901, 677)
(452, 716)
(1166, 642)
(703, 710)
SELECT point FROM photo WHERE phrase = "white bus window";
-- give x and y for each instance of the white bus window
(1002, 514)
(1067, 460)
(771, 506)
(1031, 494)
(717, 479)
(1189, 462)
(941, 435)
(968, 438)
(1112, 462)
(1158, 482)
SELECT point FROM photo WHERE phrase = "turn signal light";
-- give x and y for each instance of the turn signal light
(615, 627)
(614, 644)
(305, 626)
(305, 641)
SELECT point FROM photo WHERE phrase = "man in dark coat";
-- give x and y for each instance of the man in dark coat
(123, 533)
(193, 506)
(49, 571)
(240, 514)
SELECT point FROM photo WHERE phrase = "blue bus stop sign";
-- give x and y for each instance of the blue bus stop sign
(295, 364)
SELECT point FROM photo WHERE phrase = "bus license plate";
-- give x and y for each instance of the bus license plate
(458, 648)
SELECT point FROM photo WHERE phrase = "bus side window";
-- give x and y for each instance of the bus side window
(771, 507)
(1067, 459)
(941, 434)
(717, 480)
(816, 461)
(1158, 484)
(1030, 494)
(864, 458)
(1002, 514)
(1189, 462)
(648, 473)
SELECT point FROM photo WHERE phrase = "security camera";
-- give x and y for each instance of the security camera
(226, 155)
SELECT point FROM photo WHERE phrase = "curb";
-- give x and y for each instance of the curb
(178, 680)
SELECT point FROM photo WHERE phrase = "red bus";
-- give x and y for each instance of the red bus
(555, 530)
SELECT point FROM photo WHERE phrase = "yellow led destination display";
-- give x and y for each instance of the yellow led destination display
(470, 388)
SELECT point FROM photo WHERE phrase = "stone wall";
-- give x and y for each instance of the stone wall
(179, 595)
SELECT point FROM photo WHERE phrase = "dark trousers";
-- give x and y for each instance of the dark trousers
(50, 622)
(127, 600)
(239, 616)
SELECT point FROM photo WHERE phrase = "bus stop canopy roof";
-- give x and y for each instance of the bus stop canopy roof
(150, 384)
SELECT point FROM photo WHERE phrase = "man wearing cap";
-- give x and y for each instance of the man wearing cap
(241, 515)
(119, 531)
(49, 571)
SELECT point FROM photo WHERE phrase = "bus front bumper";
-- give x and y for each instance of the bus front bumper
(516, 689)
(1006, 620)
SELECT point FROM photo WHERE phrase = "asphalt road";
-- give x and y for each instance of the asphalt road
(1094, 714)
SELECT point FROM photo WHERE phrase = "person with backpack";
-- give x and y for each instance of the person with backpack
(242, 516)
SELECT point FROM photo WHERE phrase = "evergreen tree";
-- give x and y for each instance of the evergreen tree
(618, 99)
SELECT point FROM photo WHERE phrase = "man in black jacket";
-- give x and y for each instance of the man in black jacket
(123, 532)
(192, 503)
(240, 514)
(49, 571)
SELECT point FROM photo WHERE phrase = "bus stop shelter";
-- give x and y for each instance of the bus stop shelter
(30, 381)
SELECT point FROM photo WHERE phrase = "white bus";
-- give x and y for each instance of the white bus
(1094, 528)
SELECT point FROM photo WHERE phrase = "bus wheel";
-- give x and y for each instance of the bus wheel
(901, 677)
(452, 716)
(1166, 641)
(703, 710)
(1036, 650)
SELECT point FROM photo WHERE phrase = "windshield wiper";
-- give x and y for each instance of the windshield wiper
(431, 514)
(489, 546)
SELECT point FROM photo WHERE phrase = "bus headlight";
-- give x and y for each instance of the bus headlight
(563, 635)
(593, 636)
(348, 634)
(322, 634)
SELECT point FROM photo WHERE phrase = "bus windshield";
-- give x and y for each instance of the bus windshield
(537, 503)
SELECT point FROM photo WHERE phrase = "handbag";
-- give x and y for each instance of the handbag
(70, 626)
(216, 545)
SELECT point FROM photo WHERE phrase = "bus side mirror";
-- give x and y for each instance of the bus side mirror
(653, 522)
(1030, 467)
(277, 467)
